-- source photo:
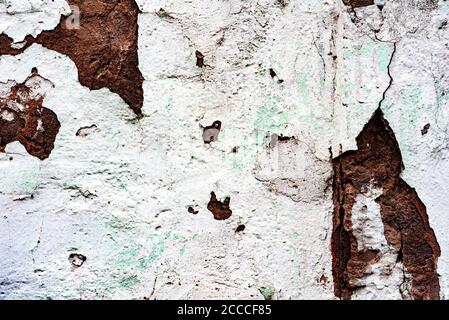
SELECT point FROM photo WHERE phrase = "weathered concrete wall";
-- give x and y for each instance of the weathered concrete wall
(224, 149)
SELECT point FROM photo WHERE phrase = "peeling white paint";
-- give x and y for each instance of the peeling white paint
(19, 18)
(120, 195)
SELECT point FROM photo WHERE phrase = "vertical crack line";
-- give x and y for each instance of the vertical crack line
(321, 57)
(153, 289)
(384, 94)
(37, 243)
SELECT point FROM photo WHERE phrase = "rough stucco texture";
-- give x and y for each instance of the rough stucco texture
(155, 149)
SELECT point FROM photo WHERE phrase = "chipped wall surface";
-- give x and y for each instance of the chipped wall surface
(259, 149)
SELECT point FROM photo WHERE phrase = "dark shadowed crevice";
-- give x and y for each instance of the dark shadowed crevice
(104, 48)
(210, 133)
(274, 76)
(23, 118)
(240, 228)
(192, 210)
(425, 129)
(378, 163)
(199, 59)
(283, 3)
(358, 3)
(77, 260)
(277, 139)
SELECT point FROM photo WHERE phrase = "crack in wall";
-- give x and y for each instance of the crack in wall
(378, 163)
(390, 21)
(104, 48)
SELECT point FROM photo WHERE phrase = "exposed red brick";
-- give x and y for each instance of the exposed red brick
(27, 112)
(104, 48)
(220, 210)
(378, 162)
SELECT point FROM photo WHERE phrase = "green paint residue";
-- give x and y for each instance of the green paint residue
(441, 99)
(138, 257)
(348, 53)
(30, 183)
(294, 251)
(129, 281)
(442, 7)
(157, 251)
(236, 164)
(120, 184)
(128, 257)
(303, 89)
(384, 52)
(270, 119)
(350, 85)
(262, 72)
(143, 264)
(267, 292)
(194, 237)
(410, 104)
(367, 48)
(306, 111)
(171, 236)
(182, 251)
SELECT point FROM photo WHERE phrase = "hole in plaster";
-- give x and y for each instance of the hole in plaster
(275, 139)
(199, 59)
(192, 211)
(77, 260)
(425, 130)
(282, 3)
(274, 76)
(323, 279)
(86, 131)
(210, 133)
(220, 210)
(240, 228)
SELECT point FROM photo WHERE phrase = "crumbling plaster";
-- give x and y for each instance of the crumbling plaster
(120, 193)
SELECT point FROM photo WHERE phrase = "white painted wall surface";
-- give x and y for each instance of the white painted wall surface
(120, 194)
